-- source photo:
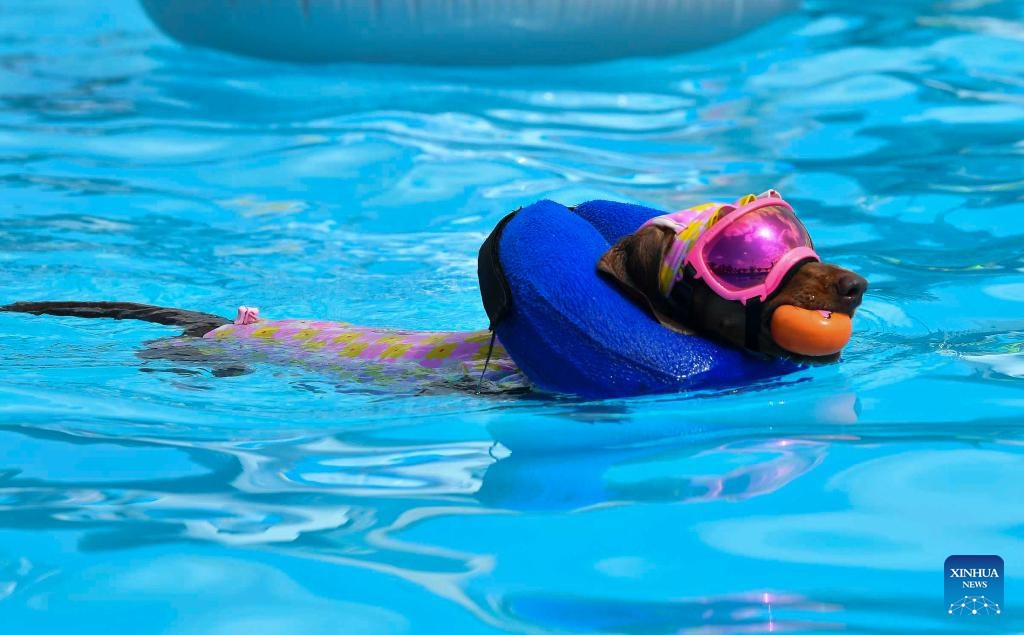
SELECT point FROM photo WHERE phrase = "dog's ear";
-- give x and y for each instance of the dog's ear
(634, 261)
(614, 264)
(634, 264)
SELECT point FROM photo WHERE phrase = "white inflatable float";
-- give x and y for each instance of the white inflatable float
(469, 32)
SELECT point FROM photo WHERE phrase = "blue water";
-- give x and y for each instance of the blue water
(145, 496)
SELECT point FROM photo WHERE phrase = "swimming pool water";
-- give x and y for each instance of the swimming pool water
(147, 496)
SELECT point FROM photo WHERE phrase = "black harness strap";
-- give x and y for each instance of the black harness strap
(494, 289)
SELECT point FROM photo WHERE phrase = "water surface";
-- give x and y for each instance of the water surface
(145, 496)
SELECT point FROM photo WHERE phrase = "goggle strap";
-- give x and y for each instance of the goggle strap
(681, 294)
(788, 276)
(752, 326)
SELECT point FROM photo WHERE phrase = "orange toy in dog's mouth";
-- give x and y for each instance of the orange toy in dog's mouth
(809, 332)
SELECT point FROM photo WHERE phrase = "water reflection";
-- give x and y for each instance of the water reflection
(350, 504)
(733, 471)
(371, 502)
(894, 503)
(718, 615)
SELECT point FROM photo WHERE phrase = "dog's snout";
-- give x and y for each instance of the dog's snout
(851, 287)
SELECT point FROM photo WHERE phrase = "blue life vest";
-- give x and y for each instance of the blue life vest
(571, 331)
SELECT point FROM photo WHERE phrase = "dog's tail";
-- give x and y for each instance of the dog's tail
(194, 323)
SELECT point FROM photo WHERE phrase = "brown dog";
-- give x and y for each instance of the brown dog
(635, 261)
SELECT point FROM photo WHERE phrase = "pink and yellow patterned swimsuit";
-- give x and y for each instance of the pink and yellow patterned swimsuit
(342, 346)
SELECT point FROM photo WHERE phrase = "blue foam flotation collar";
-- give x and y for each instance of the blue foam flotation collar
(570, 331)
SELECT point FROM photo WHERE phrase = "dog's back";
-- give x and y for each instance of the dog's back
(341, 346)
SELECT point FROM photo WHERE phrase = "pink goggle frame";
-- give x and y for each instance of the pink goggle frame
(744, 254)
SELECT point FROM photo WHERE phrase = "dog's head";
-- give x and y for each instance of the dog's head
(636, 264)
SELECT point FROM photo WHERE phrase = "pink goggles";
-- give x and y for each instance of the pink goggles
(745, 254)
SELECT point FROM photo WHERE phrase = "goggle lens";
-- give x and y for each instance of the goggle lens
(743, 253)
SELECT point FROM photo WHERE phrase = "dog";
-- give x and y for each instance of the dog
(636, 264)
